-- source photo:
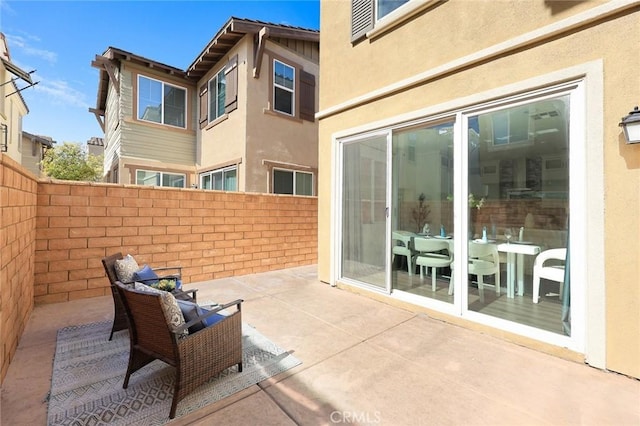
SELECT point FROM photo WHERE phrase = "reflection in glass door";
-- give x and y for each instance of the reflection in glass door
(422, 215)
(518, 200)
(364, 211)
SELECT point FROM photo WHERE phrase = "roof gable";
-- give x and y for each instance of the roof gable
(234, 30)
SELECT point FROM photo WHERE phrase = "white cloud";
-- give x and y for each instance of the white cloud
(61, 93)
(17, 42)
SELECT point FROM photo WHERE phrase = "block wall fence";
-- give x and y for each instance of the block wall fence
(18, 206)
(54, 234)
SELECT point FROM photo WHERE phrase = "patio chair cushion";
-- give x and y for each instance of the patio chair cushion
(146, 275)
(172, 311)
(192, 311)
(125, 268)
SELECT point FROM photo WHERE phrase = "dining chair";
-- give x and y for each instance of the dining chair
(403, 246)
(484, 260)
(553, 271)
(431, 253)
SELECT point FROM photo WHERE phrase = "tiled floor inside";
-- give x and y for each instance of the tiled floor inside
(363, 362)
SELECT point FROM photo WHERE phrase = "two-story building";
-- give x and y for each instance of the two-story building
(33, 150)
(12, 104)
(473, 140)
(239, 118)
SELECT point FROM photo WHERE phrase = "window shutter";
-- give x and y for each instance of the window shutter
(361, 18)
(307, 96)
(204, 106)
(231, 77)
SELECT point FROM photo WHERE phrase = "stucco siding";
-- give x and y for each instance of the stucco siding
(437, 39)
(223, 139)
(273, 136)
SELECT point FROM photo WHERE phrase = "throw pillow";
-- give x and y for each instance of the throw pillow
(146, 275)
(125, 268)
(192, 311)
(172, 311)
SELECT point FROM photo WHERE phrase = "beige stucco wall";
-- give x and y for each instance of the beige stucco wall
(453, 30)
(272, 136)
(253, 132)
(222, 141)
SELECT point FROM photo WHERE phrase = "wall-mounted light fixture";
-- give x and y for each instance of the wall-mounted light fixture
(631, 126)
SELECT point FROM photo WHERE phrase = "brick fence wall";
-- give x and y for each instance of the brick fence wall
(53, 236)
(18, 199)
(210, 234)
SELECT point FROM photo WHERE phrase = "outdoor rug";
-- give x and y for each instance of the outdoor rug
(88, 372)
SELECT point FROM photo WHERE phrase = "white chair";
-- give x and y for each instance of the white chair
(402, 246)
(484, 260)
(553, 272)
(431, 254)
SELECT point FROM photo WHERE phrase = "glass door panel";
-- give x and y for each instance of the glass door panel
(422, 216)
(364, 211)
(518, 201)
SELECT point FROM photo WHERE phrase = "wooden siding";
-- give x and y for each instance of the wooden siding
(154, 141)
(307, 49)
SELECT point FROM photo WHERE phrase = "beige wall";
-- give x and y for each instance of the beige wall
(289, 141)
(29, 161)
(253, 132)
(223, 140)
(421, 48)
(18, 200)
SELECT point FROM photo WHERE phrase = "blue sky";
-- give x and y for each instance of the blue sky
(59, 39)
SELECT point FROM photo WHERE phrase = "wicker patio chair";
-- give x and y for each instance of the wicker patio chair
(120, 316)
(197, 357)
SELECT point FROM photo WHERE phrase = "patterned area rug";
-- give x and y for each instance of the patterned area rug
(88, 372)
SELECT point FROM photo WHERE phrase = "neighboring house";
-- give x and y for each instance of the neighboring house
(33, 149)
(146, 110)
(473, 118)
(239, 118)
(95, 146)
(12, 104)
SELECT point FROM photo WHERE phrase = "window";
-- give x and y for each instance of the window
(220, 95)
(384, 7)
(283, 88)
(217, 91)
(292, 182)
(151, 178)
(222, 179)
(161, 102)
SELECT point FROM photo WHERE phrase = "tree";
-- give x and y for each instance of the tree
(70, 162)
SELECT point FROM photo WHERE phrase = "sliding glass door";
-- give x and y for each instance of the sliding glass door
(518, 200)
(364, 211)
(422, 196)
(467, 214)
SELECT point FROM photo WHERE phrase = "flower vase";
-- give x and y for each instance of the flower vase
(473, 222)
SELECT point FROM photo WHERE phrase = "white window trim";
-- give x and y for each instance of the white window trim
(161, 173)
(162, 123)
(292, 91)
(222, 170)
(398, 16)
(586, 230)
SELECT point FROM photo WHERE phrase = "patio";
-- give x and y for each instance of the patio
(363, 361)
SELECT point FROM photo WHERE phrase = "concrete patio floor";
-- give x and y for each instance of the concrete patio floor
(363, 362)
